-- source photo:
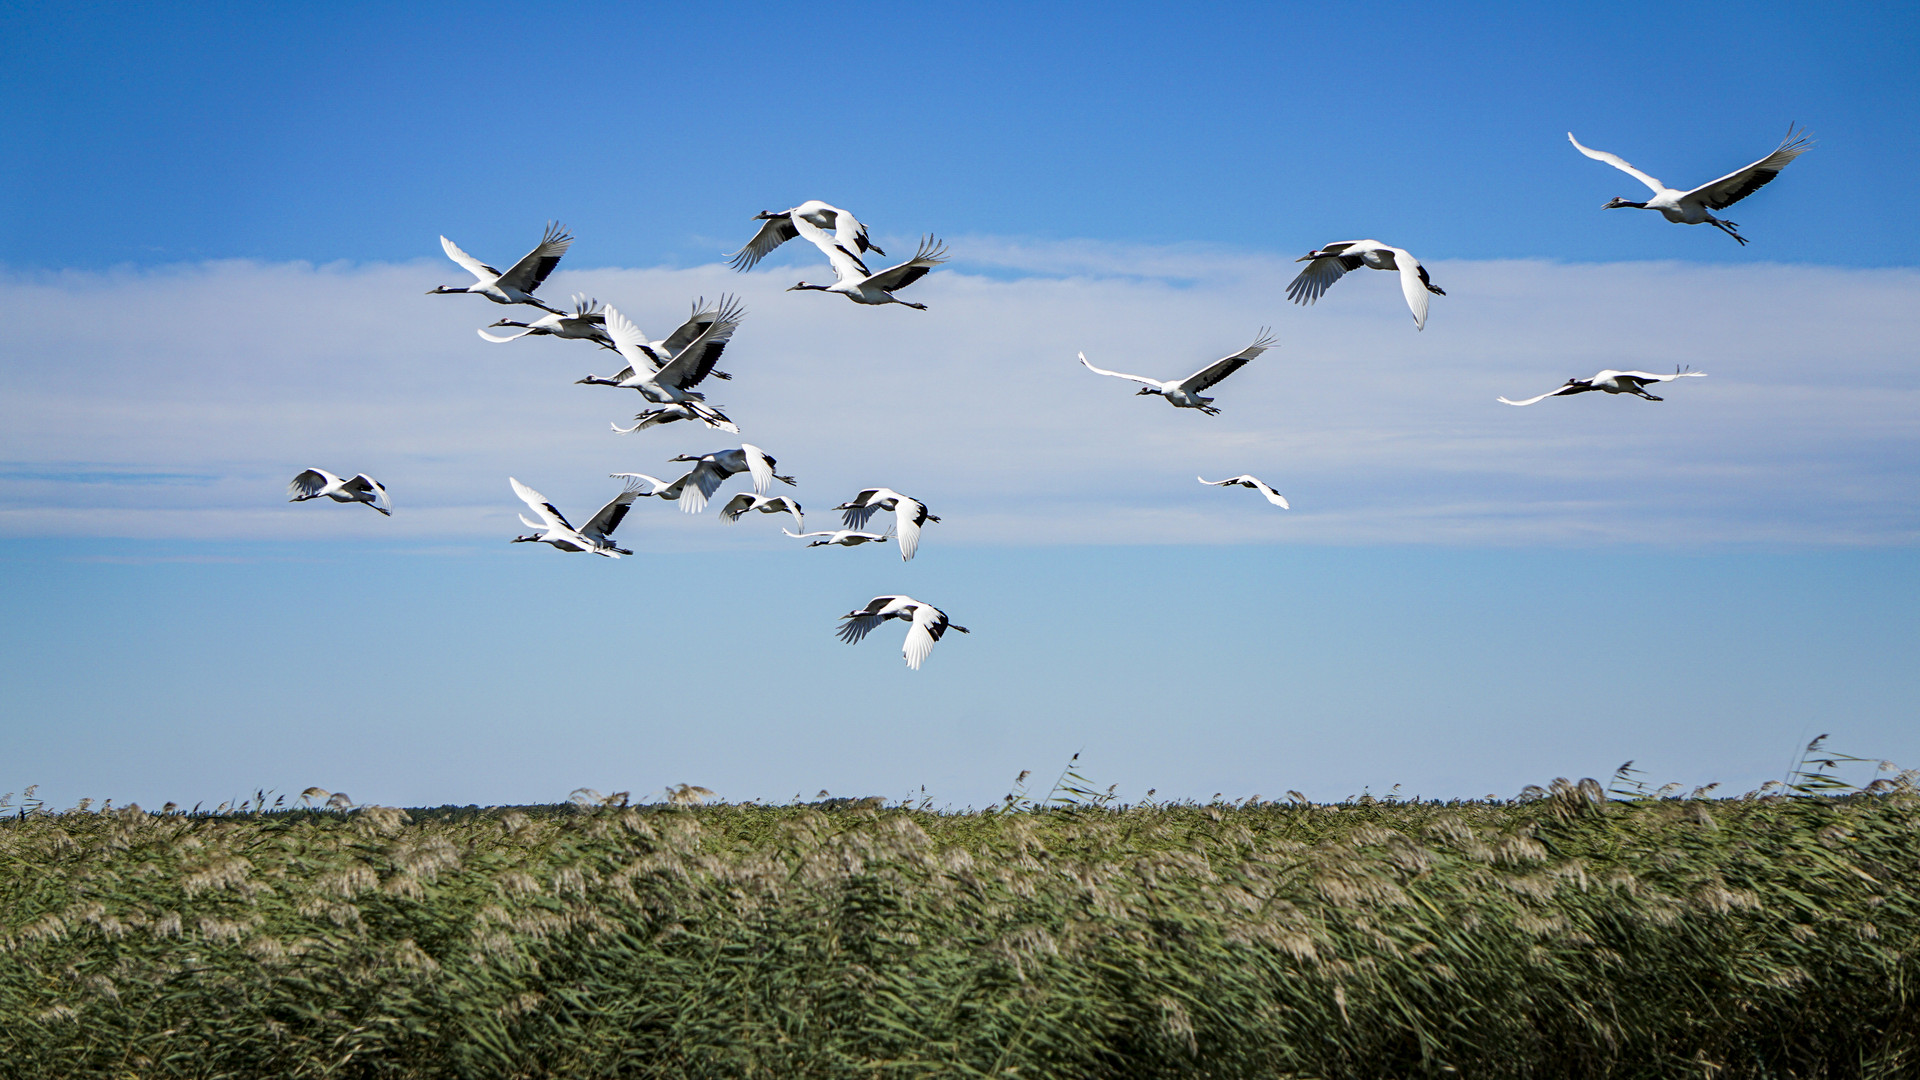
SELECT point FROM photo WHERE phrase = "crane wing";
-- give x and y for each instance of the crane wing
(759, 466)
(363, 482)
(1620, 163)
(1118, 374)
(786, 503)
(860, 623)
(1321, 273)
(700, 483)
(931, 254)
(631, 344)
(849, 233)
(1265, 489)
(310, 483)
(1413, 285)
(610, 515)
(1559, 391)
(1220, 369)
(929, 624)
(774, 231)
(1735, 186)
(907, 516)
(695, 361)
(527, 274)
(654, 485)
(539, 504)
(846, 265)
(696, 322)
(1649, 377)
(739, 504)
(473, 266)
(502, 337)
(863, 507)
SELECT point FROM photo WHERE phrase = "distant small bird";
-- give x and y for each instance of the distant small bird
(927, 624)
(1331, 263)
(517, 284)
(861, 287)
(848, 233)
(1690, 207)
(1185, 393)
(711, 470)
(315, 483)
(908, 515)
(842, 537)
(766, 504)
(1613, 382)
(585, 322)
(667, 414)
(552, 528)
(1254, 482)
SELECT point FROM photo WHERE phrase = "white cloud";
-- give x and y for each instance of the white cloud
(177, 402)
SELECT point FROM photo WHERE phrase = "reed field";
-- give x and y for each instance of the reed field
(1578, 931)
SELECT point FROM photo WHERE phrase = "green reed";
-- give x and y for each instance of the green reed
(1568, 934)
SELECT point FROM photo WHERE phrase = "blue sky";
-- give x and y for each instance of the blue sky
(216, 224)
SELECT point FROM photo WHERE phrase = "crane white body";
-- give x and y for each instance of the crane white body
(746, 502)
(517, 284)
(848, 234)
(1185, 393)
(552, 528)
(319, 483)
(671, 382)
(1331, 263)
(908, 515)
(1612, 382)
(586, 322)
(840, 537)
(711, 470)
(667, 414)
(853, 280)
(926, 624)
(1692, 207)
(1246, 481)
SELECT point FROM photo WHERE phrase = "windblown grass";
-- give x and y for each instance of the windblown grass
(1565, 935)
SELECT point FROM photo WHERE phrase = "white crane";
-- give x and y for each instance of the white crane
(841, 537)
(848, 234)
(926, 624)
(316, 483)
(1331, 263)
(1185, 393)
(766, 504)
(1691, 207)
(861, 287)
(908, 515)
(552, 528)
(711, 470)
(667, 414)
(517, 284)
(585, 322)
(723, 317)
(1613, 382)
(1254, 482)
(672, 381)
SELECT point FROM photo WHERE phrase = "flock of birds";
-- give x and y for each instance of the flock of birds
(665, 372)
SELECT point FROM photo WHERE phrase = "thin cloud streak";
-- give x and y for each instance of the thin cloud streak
(219, 381)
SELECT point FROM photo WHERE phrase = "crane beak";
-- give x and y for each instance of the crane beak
(1308, 257)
